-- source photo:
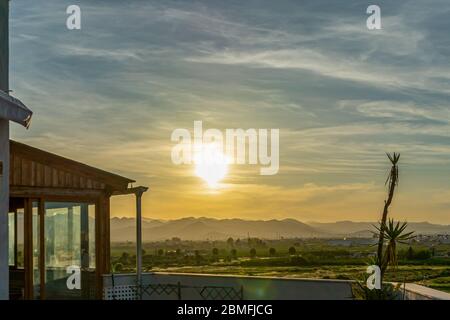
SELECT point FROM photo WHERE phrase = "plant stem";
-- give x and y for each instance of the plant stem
(387, 203)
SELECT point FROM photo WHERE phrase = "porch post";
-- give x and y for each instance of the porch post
(4, 154)
(139, 192)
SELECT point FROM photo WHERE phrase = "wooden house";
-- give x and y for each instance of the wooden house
(59, 236)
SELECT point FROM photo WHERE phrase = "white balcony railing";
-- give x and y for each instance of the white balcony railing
(173, 286)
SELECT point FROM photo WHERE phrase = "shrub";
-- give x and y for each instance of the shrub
(299, 261)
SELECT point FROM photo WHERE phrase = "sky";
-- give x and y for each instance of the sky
(111, 94)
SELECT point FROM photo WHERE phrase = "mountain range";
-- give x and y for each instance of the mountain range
(123, 229)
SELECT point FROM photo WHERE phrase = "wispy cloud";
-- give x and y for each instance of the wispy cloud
(341, 95)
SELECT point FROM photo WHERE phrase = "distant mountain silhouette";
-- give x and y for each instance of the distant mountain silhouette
(123, 229)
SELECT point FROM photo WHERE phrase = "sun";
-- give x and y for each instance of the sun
(210, 164)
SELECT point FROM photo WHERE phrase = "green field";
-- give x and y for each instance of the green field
(426, 264)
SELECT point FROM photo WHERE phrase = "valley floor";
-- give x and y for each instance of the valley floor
(426, 262)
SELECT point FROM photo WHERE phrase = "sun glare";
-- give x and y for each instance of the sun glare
(210, 164)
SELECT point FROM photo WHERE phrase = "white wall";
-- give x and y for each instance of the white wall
(254, 288)
(4, 206)
(417, 292)
(4, 151)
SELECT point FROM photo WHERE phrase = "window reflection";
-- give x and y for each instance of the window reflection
(11, 239)
(69, 241)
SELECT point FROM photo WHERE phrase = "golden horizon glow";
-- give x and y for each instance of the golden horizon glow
(338, 95)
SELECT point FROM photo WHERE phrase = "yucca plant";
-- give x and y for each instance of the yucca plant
(360, 291)
(392, 180)
(389, 235)
(394, 233)
(388, 291)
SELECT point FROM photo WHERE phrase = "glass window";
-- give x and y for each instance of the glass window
(11, 240)
(69, 249)
(20, 238)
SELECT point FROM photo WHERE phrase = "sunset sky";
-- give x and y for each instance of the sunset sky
(111, 94)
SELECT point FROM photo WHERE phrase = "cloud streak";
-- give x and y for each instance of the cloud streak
(342, 96)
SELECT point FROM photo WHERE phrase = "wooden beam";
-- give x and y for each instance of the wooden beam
(136, 190)
(28, 249)
(41, 212)
(107, 239)
(102, 241)
(16, 238)
(30, 192)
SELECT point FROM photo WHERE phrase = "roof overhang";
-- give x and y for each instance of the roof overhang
(14, 110)
(59, 167)
(135, 190)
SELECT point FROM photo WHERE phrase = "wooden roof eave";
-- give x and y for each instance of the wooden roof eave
(113, 181)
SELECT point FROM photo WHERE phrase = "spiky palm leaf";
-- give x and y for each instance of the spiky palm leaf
(393, 234)
(393, 174)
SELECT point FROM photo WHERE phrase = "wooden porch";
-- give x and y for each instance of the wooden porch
(46, 189)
